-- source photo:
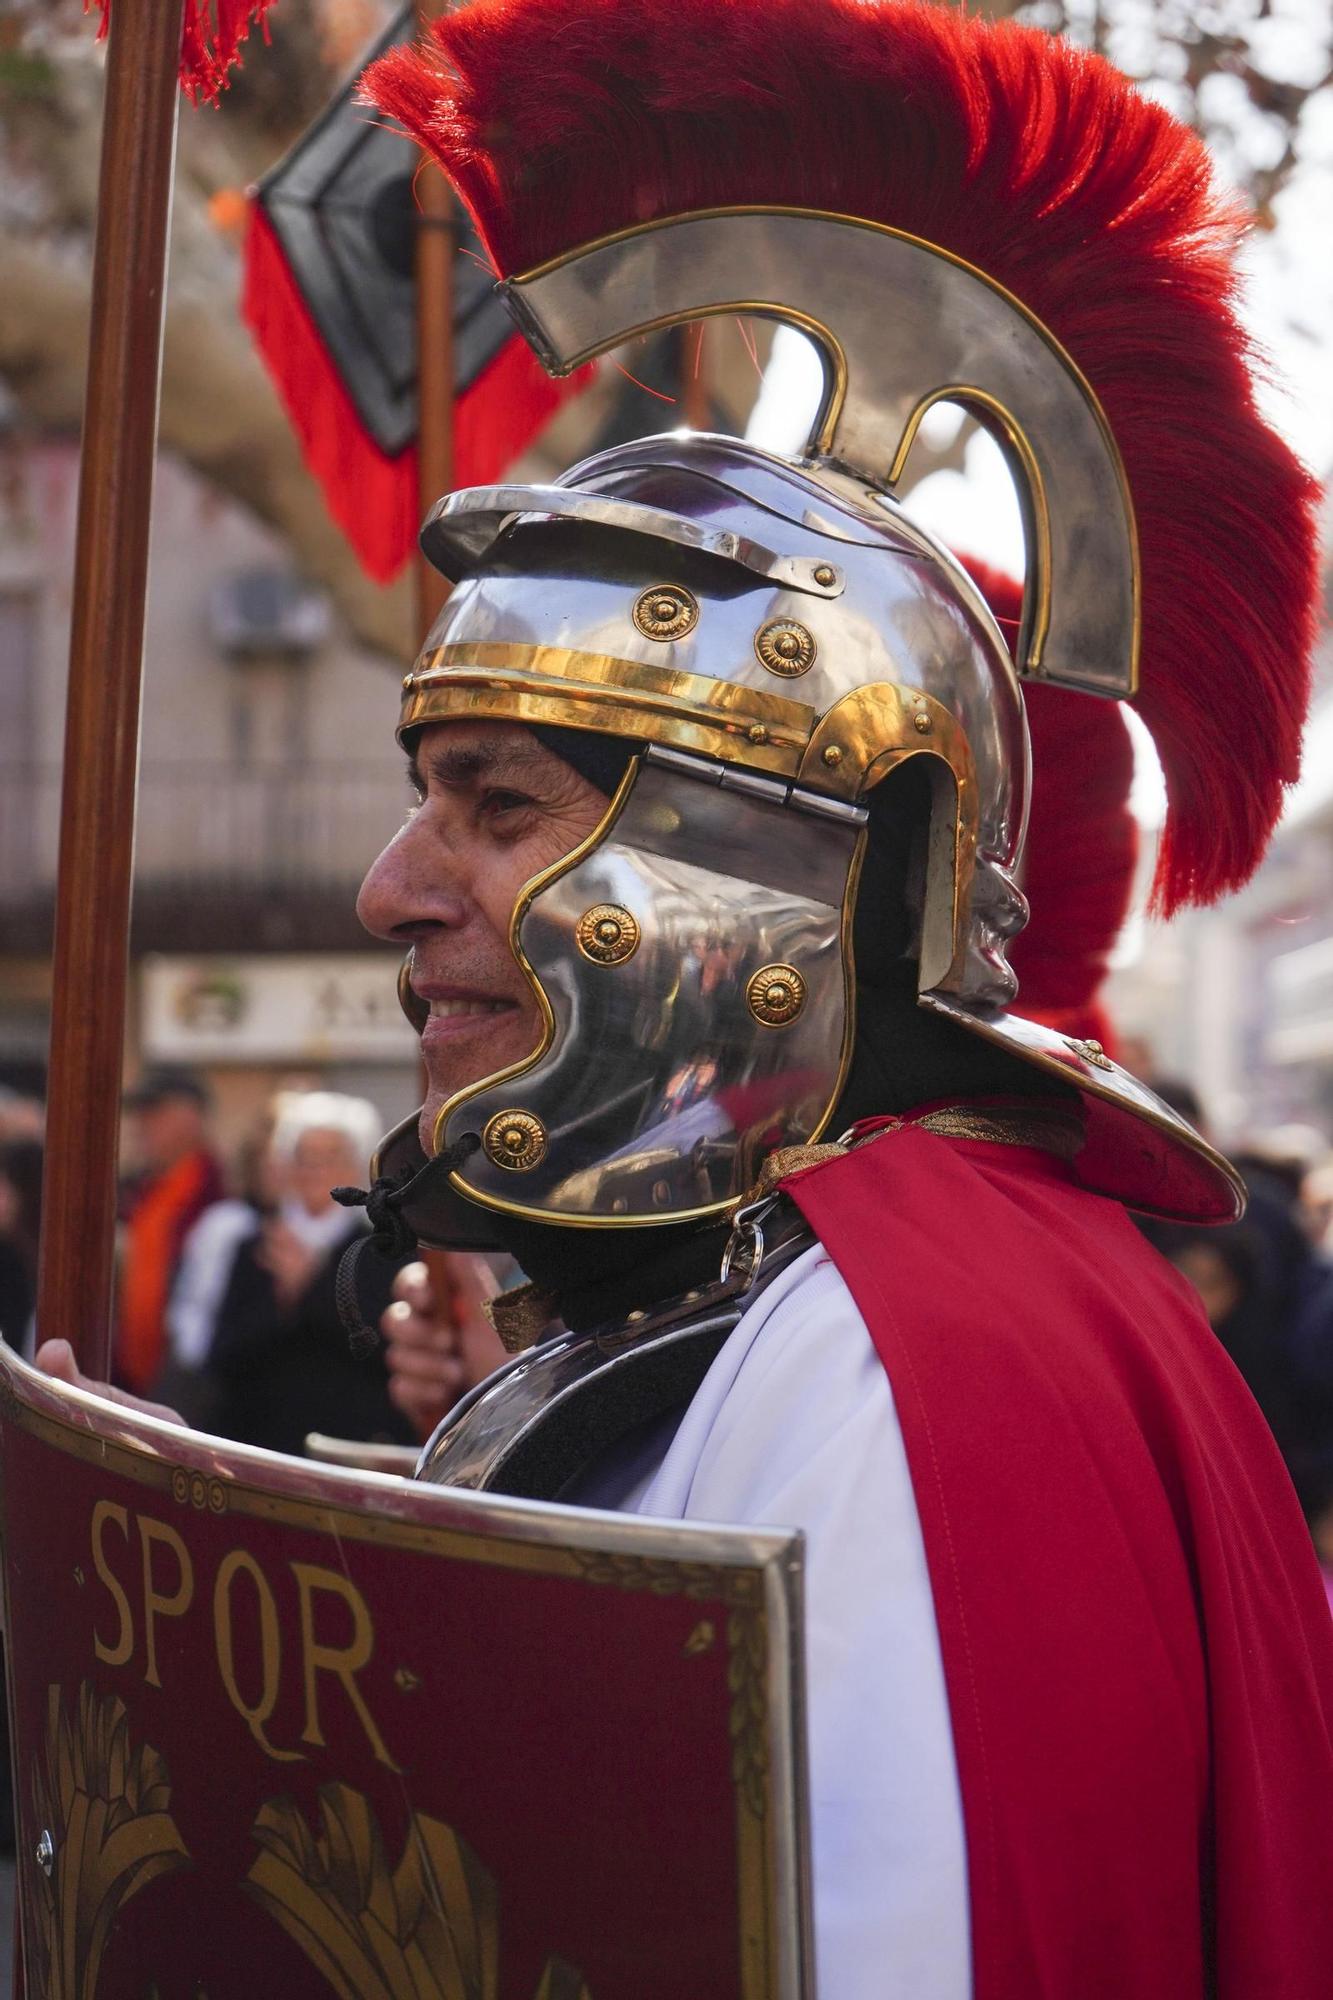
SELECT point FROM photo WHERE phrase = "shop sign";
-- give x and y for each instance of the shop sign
(302, 1008)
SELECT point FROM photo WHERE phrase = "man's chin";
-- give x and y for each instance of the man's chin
(430, 1111)
(440, 1091)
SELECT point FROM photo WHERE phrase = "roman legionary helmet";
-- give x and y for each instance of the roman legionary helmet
(951, 210)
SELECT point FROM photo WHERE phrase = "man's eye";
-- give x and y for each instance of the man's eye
(495, 805)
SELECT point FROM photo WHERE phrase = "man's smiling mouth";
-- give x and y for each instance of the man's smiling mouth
(453, 1015)
(452, 1010)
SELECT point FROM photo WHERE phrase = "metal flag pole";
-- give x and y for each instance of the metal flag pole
(435, 359)
(101, 764)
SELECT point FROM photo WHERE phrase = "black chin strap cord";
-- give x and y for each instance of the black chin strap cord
(391, 1234)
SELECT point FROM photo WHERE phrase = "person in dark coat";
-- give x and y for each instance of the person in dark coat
(20, 1223)
(282, 1362)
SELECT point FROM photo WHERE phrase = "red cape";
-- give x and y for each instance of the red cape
(1136, 1641)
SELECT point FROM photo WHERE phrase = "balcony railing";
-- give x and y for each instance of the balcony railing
(226, 858)
(216, 827)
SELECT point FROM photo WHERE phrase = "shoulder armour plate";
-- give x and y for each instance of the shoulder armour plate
(536, 1426)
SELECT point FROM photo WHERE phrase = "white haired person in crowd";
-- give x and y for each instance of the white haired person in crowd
(281, 1362)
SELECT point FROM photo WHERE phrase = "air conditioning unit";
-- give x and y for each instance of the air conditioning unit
(267, 613)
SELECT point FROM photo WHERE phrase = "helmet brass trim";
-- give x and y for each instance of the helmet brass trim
(775, 995)
(616, 697)
(684, 711)
(667, 611)
(607, 934)
(515, 1140)
(785, 648)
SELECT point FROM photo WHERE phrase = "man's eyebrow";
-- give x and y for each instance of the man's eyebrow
(464, 765)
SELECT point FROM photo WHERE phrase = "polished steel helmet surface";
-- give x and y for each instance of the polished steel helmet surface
(778, 638)
(898, 655)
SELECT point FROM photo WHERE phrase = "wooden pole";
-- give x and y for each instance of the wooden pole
(101, 765)
(435, 436)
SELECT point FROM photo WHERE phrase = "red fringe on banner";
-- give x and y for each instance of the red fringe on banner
(372, 496)
(211, 39)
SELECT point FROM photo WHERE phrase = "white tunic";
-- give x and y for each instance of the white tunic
(794, 1426)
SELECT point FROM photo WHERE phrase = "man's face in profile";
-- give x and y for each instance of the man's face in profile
(493, 808)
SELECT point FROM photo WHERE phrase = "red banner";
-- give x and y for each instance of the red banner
(288, 1729)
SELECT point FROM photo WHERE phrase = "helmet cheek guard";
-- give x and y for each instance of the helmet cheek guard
(692, 968)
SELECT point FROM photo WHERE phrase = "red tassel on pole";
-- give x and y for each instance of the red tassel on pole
(372, 497)
(211, 38)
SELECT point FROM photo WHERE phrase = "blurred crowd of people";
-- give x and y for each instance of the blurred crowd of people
(227, 1308)
(1266, 1287)
(226, 1294)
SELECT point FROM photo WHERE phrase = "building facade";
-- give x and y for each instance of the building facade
(269, 778)
(1238, 1000)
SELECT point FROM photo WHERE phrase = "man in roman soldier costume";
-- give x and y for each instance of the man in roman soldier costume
(723, 768)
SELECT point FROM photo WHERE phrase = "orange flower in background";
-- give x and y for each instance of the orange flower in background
(228, 210)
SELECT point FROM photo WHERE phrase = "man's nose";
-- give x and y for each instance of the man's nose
(409, 891)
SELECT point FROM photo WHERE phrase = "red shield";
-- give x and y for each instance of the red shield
(285, 1729)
